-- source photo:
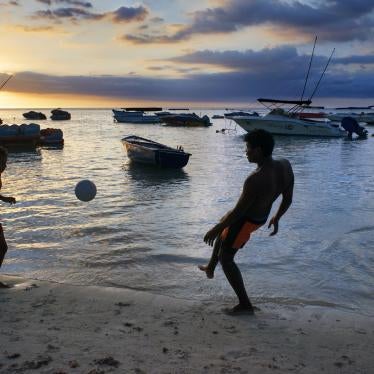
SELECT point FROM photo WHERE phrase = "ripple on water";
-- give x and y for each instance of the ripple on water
(145, 227)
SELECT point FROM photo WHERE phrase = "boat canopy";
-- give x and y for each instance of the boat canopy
(297, 105)
(294, 102)
(145, 109)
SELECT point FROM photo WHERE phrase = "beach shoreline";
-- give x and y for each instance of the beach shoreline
(57, 328)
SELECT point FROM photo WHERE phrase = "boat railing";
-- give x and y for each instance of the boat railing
(296, 105)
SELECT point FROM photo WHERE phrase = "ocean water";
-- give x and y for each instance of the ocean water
(144, 230)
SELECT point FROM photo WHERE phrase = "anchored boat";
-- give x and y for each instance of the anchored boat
(133, 116)
(281, 122)
(32, 115)
(60, 115)
(147, 151)
(188, 119)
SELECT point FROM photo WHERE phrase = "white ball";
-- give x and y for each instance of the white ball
(85, 190)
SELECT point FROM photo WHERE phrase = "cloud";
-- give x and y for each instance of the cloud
(245, 83)
(10, 2)
(356, 59)
(126, 14)
(121, 15)
(38, 29)
(84, 4)
(147, 39)
(156, 20)
(67, 13)
(288, 61)
(333, 20)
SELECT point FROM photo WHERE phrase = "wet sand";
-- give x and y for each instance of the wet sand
(53, 328)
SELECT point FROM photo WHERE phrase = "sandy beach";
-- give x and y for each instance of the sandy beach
(55, 328)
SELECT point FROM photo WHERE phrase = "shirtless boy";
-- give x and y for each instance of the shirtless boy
(271, 179)
(10, 200)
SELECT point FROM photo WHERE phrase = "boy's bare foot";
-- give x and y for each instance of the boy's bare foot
(3, 285)
(208, 272)
(240, 310)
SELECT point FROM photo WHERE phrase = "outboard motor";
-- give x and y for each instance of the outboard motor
(350, 125)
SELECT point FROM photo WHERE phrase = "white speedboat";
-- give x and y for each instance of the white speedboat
(281, 122)
(359, 117)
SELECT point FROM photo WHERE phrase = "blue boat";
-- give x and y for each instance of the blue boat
(147, 151)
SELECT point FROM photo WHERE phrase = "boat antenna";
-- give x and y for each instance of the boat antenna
(5, 81)
(328, 62)
(310, 64)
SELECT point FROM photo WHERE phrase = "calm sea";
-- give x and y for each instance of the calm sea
(145, 227)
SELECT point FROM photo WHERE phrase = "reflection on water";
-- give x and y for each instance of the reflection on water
(145, 175)
(145, 227)
(22, 154)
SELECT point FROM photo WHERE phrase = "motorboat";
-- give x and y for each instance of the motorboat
(32, 115)
(359, 117)
(189, 120)
(60, 115)
(134, 116)
(281, 122)
(147, 151)
(291, 121)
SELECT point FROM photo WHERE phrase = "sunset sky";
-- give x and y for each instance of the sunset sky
(74, 53)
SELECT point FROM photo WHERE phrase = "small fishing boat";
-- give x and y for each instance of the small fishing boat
(147, 151)
(134, 116)
(217, 116)
(60, 115)
(51, 137)
(189, 120)
(32, 115)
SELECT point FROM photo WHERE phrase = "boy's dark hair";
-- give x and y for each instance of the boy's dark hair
(3, 152)
(261, 138)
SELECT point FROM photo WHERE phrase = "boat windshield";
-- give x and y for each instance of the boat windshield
(278, 112)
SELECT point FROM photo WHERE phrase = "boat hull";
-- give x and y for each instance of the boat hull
(143, 120)
(19, 141)
(60, 115)
(164, 157)
(34, 115)
(280, 125)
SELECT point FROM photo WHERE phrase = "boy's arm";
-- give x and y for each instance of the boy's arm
(286, 202)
